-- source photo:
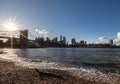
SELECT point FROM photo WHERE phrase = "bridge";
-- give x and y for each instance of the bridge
(21, 40)
(4, 37)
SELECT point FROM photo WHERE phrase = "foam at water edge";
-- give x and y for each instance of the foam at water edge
(86, 74)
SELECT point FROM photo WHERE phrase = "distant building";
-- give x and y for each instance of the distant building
(60, 37)
(23, 38)
(55, 40)
(64, 40)
(73, 41)
(41, 39)
(48, 39)
(83, 43)
(111, 42)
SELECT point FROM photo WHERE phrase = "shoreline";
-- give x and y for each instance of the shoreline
(9, 73)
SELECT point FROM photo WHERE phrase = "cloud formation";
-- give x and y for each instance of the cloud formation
(118, 37)
(102, 38)
(42, 32)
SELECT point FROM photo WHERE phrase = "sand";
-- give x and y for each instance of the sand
(11, 74)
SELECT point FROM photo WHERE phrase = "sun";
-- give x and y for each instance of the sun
(10, 24)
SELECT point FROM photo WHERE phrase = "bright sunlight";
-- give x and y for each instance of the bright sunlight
(10, 24)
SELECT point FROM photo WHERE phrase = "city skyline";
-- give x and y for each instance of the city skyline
(22, 41)
(90, 20)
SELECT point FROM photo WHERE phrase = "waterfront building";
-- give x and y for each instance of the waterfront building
(64, 40)
(60, 37)
(111, 42)
(73, 41)
(48, 39)
(83, 43)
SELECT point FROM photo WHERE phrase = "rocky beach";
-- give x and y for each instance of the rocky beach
(11, 74)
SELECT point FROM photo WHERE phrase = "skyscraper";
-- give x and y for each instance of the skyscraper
(73, 41)
(60, 37)
(64, 40)
(111, 42)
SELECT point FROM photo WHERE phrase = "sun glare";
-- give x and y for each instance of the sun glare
(10, 24)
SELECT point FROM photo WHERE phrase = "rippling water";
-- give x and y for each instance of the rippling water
(77, 57)
(95, 62)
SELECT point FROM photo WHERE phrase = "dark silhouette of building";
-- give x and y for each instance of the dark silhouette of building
(41, 41)
(55, 40)
(23, 38)
(48, 39)
(60, 37)
(83, 43)
(24, 42)
(73, 42)
(111, 42)
(64, 41)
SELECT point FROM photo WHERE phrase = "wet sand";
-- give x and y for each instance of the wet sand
(11, 74)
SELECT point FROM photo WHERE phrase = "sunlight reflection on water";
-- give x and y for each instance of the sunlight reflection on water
(87, 74)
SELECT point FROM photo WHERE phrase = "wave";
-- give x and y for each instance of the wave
(101, 63)
(107, 64)
(83, 73)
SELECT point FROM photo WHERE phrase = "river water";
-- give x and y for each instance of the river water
(95, 62)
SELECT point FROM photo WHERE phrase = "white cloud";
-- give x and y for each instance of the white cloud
(118, 37)
(102, 38)
(42, 32)
(36, 30)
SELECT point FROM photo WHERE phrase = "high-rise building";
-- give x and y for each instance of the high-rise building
(23, 38)
(73, 41)
(55, 40)
(83, 43)
(111, 42)
(64, 40)
(60, 37)
(48, 39)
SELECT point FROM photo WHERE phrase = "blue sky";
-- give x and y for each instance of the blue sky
(81, 19)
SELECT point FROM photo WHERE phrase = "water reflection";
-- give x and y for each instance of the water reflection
(68, 56)
(49, 58)
(9, 55)
(72, 54)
